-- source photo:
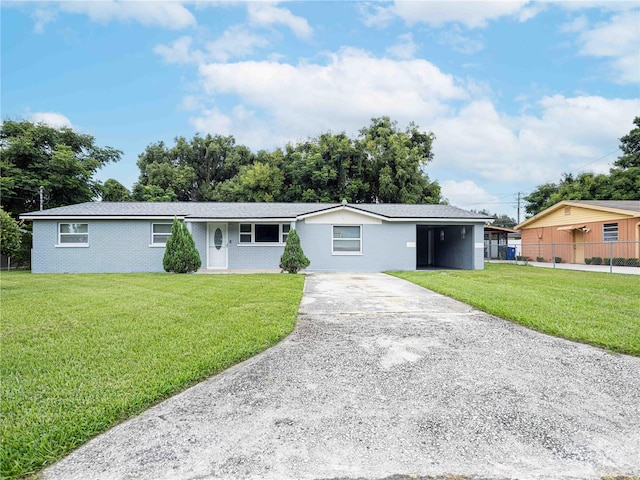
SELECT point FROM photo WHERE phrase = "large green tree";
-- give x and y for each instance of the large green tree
(191, 169)
(61, 160)
(114, 191)
(622, 182)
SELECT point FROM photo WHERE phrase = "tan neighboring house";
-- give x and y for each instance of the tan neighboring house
(577, 229)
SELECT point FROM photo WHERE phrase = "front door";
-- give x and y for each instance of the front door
(578, 246)
(218, 242)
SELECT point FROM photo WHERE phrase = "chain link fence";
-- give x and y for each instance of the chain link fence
(596, 254)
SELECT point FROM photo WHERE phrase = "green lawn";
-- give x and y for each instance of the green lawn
(83, 352)
(601, 309)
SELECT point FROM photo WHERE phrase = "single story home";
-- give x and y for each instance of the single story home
(131, 236)
(575, 230)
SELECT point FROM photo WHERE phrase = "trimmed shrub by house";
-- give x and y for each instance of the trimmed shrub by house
(293, 258)
(588, 261)
(557, 259)
(596, 260)
(181, 255)
(539, 259)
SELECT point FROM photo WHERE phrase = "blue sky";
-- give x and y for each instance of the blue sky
(516, 92)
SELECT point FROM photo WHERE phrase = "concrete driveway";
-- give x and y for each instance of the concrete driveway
(382, 379)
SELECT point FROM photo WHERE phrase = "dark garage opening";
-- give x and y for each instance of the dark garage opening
(444, 246)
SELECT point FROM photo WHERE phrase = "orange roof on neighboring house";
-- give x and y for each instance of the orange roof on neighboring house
(588, 210)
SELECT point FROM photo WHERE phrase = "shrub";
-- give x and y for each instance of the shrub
(606, 261)
(181, 255)
(293, 258)
(631, 262)
(557, 259)
(618, 261)
(539, 259)
(587, 261)
(523, 258)
(596, 260)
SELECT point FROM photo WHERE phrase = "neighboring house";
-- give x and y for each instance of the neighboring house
(601, 228)
(496, 243)
(131, 236)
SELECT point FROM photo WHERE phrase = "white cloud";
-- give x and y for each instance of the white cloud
(617, 39)
(171, 15)
(467, 194)
(179, 51)
(373, 15)
(236, 42)
(566, 134)
(459, 42)
(352, 87)
(405, 49)
(42, 16)
(472, 14)
(266, 14)
(52, 119)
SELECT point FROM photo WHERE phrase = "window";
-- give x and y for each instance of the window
(246, 233)
(264, 232)
(160, 233)
(347, 239)
(610, 232)
(73, 234)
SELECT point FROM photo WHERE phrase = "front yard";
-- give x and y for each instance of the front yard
(81, 353)
(601, 309)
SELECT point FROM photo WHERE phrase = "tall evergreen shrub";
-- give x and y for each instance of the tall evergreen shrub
(180, 255)
(293, 258)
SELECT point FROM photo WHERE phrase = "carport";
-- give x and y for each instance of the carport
(445, 246)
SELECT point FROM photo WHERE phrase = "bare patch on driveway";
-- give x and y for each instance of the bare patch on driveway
(383, 378)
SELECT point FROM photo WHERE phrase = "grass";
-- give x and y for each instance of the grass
(600, 309)
(81, 353)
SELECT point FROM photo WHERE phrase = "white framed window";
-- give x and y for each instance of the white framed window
(251, 233)
(160, 233)
(346, 239)
(73, 234)
(610, 232)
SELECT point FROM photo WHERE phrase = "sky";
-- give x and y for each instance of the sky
(516, 92)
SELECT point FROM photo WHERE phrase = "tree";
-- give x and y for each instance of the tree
(384, 164)
(192, 169)
(181, 255)
(114, 191)
(395, 163)
(293, 258)
(630, 147)
(64, 162)
(10, 237)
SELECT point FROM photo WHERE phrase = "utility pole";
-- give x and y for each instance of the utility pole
(519, 193)
(41, 196)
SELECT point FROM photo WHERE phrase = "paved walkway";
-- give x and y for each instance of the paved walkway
(384, 378)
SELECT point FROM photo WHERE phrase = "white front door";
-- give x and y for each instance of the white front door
(218, 245)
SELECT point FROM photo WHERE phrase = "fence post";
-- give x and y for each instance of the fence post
(611, 257)
(553, 254)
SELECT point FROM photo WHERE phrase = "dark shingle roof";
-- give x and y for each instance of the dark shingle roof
(221, 210)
